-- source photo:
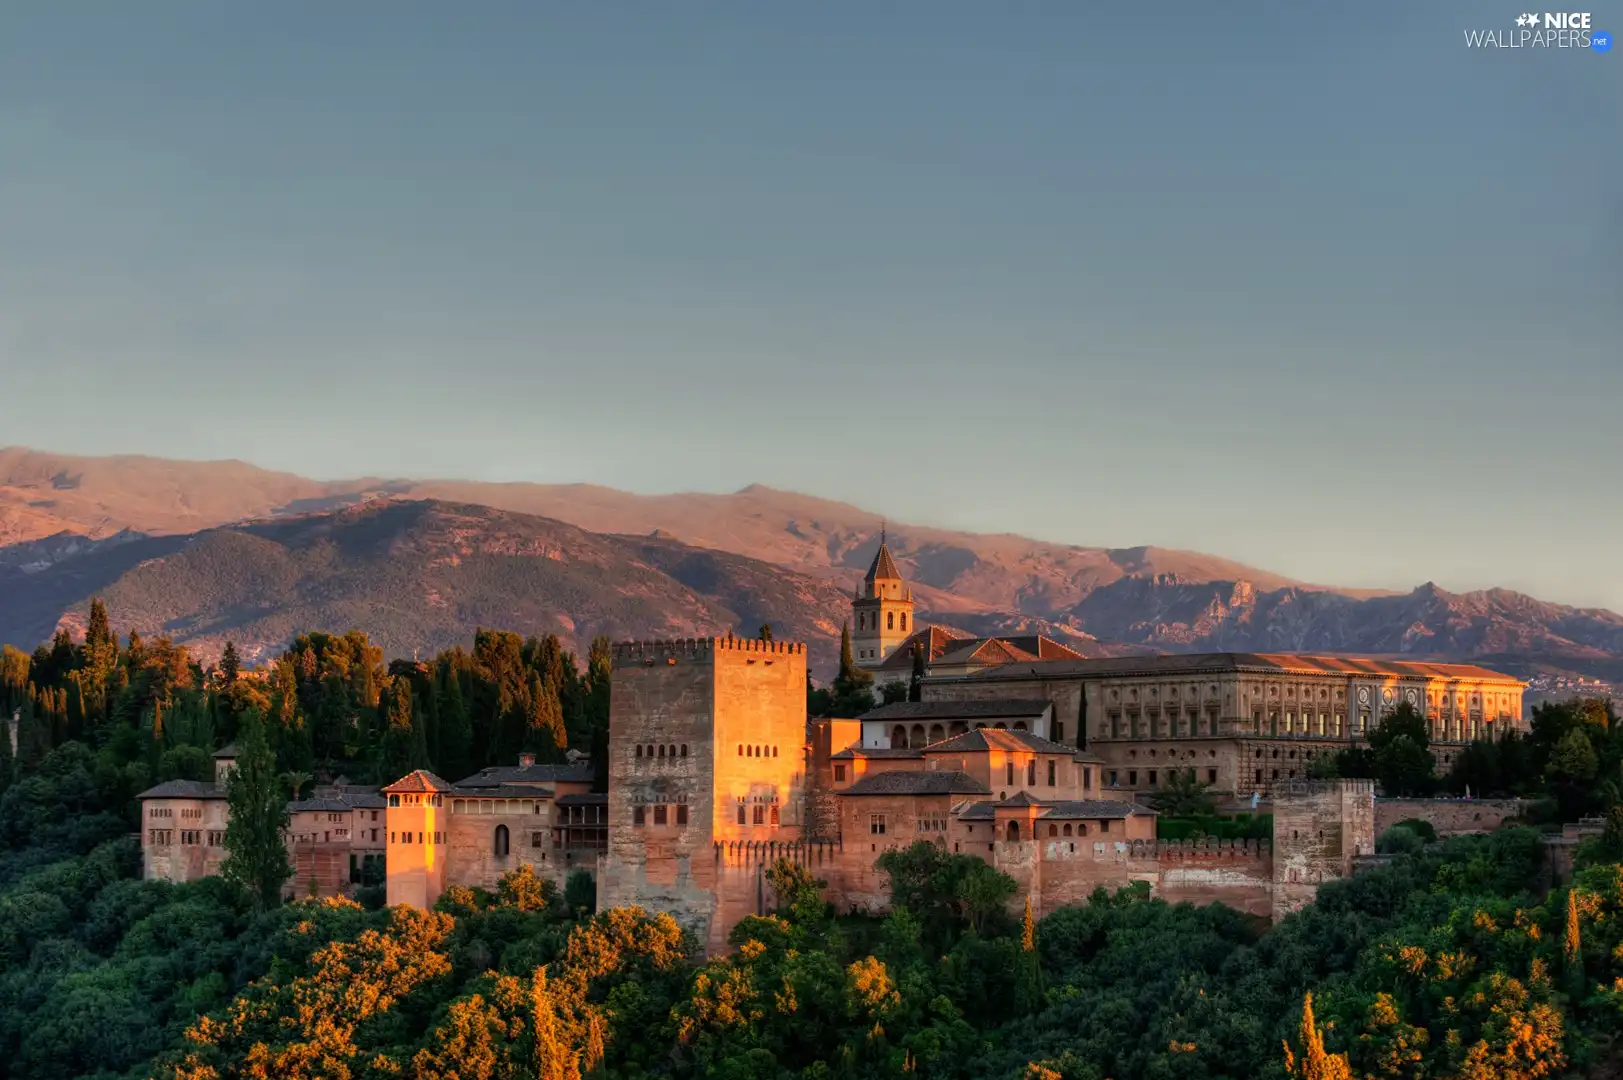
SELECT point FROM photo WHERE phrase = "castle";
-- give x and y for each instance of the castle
(1042, 767)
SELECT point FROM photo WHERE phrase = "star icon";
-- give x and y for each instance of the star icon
(1528, 19)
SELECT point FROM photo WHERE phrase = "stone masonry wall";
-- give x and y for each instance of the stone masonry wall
(1450, 817)
(734, 712)
(1320, 828)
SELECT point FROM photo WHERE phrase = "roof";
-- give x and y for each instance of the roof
(959, 710)
(884, 567)
(878, 752)
(983, 739)
(935, 640)
(1233, 662)
(1065, 810)
(328, 806)
(1095, 808)
(914, 782)
(227, 751)
(183, 789)
(418, 780)
(1021, 798)
(579, 772)
(363, 800)
(593, 798)
(504, 791)
(986, 652)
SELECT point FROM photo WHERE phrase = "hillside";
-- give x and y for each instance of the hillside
(421, 563)
(42, 494)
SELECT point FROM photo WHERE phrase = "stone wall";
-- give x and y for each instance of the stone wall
(734, 711)
(1320, 828)
(175, 821)
(1450, 817)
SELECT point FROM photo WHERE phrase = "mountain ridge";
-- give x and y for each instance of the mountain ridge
(747, 551)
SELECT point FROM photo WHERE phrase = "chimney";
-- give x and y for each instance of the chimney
(526, 760)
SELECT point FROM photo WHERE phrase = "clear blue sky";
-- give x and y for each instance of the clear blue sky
(1308, 285)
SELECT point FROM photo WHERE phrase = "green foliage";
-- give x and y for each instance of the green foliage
(256, 854)
(1399, 840)
(1184, 796)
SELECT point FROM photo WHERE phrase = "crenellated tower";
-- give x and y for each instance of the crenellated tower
(881, 611)
(707, 740)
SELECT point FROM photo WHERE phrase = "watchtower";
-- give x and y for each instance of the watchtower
(882, 611)
(706, 747)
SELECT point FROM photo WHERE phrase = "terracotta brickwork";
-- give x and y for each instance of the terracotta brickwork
(1450, 817)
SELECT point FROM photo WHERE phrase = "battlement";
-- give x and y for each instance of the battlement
(697, 650)
(1309, 788)
(1158, 850)
(752, 852)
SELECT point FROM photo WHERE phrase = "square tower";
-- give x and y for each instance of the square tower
(706, 750)
(882, 611)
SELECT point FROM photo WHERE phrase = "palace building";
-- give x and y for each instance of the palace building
(1045, 766)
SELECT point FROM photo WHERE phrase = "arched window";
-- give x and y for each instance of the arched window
(740, 749)
(639, 749)
(1053, 830)
(684, 749)
(904, 620)
(501, 842)
(898, 737)
(1067, 830)
(915, 737)
(1082, 829)
(774, 817)
(670, 751)
(958, 728)
(1001, 726)
(661, 751)
(937, 733)
(890, 620)
(774, 751)
(1014, 832)
(1019, 725)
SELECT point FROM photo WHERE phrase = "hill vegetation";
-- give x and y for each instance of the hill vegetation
(1455, 960)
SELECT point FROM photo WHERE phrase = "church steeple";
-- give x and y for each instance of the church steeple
(883, 609)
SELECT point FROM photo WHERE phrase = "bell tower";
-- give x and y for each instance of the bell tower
(881, 611)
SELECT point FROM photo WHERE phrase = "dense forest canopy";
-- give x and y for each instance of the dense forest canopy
(1454, 959)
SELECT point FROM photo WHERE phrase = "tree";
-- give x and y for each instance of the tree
(403, 746)
(1400, 746)
(1315, 1063)
(766, 632)
(255, 849)
(893, 692)
(915, 684)
(544, 733)
(456, 732)
(1571, 770)
(230, 664)
(1184, 796)
(853, 687)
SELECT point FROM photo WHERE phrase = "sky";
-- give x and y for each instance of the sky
(1312, 286)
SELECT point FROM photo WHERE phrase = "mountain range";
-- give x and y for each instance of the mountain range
(210, 551)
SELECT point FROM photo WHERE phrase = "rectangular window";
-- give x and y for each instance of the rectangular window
(760, 814)
(876, 824)
(1211, 776)
(839, 774)
(638, 815)
(774, 820)
(1132, 777)
(659, 814)
(1152, 778)
(1110, 778)
(1087, 779)
(1010, 769)
(681, 813)
(1104, 826)
(1052, 765)
(1059, 731)
(536, 839)
(1031, 773)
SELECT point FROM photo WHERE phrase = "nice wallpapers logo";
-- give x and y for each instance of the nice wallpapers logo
(1549, 30)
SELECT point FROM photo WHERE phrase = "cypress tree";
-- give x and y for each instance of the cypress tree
(401, 742)
(7, 764)
(256, 854)
(915, 685)
(766, 632)
(97, 630)
(544, 733)
(230, 664)
(455, 754)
